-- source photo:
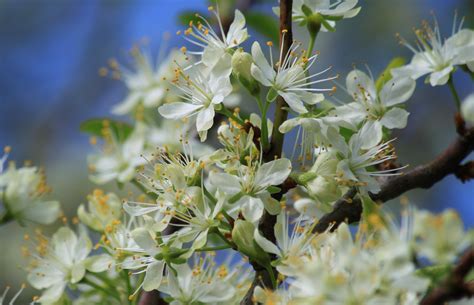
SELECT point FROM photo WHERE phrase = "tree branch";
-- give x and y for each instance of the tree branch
(268, 221)
(454, 287)
(425, 176)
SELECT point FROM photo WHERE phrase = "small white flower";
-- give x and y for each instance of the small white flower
(22, 191)
(358, 157)
(250, 188)
(289, 243)
(205, 283)
(467, 109)
(64, 261)
(379, 109)
(149, 83)
(119, 161)
(289, 80)
(144, 258)
(441, 237)
(203, 94)
(327, 12)
(103, 209)
(216, 46)
(437, 57)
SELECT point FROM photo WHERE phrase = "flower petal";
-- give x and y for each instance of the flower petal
(177, 110)
(395, 118)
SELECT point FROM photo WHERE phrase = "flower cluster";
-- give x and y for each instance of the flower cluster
(194, 199)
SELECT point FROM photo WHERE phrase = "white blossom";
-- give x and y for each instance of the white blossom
(436, 56)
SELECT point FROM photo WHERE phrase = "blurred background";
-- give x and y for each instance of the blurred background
(51, 51)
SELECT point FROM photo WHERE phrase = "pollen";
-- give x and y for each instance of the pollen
(270, 43)
(7, 149)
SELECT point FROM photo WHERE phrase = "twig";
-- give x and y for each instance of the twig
(454, 287)
(262, 277)
(349, 210)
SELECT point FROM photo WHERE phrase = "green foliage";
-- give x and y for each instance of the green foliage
(386, 75)
(120, 130)
(263, 24)
(186, 17)
(434, 273)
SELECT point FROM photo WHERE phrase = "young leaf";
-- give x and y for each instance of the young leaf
(120, 130)
(386, 74)
(263, 24)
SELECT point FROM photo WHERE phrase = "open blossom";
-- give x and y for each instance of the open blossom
(290, 243)
(438, 57)
(148, 84)
(289, 80)
(119, 161)
(248, 190)
(202, 95)
(215, 46)
(103, 210)
(327, 12)
(203, 283)
(62, 261)
(440, 238)
(378, 108)
(358, 158)
(22, 192)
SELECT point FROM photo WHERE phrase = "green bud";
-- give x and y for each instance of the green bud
(242, 235)
(241, 63)
(313, 24)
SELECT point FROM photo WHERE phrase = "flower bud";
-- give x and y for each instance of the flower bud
(467, 109)
(241, 63)
(242, 235)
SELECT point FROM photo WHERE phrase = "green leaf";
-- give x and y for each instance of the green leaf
(434, 273)
(273, 189)
(186, 17)
(306, 10)
(263, 24)
(120, 130)
(386, 74)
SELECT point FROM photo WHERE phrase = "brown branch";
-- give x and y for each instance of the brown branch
(465, 172)
(349, 209)
(454, 287)
(268, 221)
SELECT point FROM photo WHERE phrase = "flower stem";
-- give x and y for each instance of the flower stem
(98, 287)
(216, 248)
(454, 92)
(264, 127)
(229, 243)
(312, 39)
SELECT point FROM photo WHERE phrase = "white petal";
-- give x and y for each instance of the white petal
(370, 134)
(52, 294)
(359, 84)
(397, 90)
(144, 240)
(128, 104)
(258, 74)
(261, 62)
(177, 110)
(77, 273)
(98, 263)
(252, 208)
(273, 172)
(438, 78)
(395, 118)
(44, 212)
(265, 244)
(153, 276)
(154, 97)
(227, 183)
(205, 118)
(294, 101)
